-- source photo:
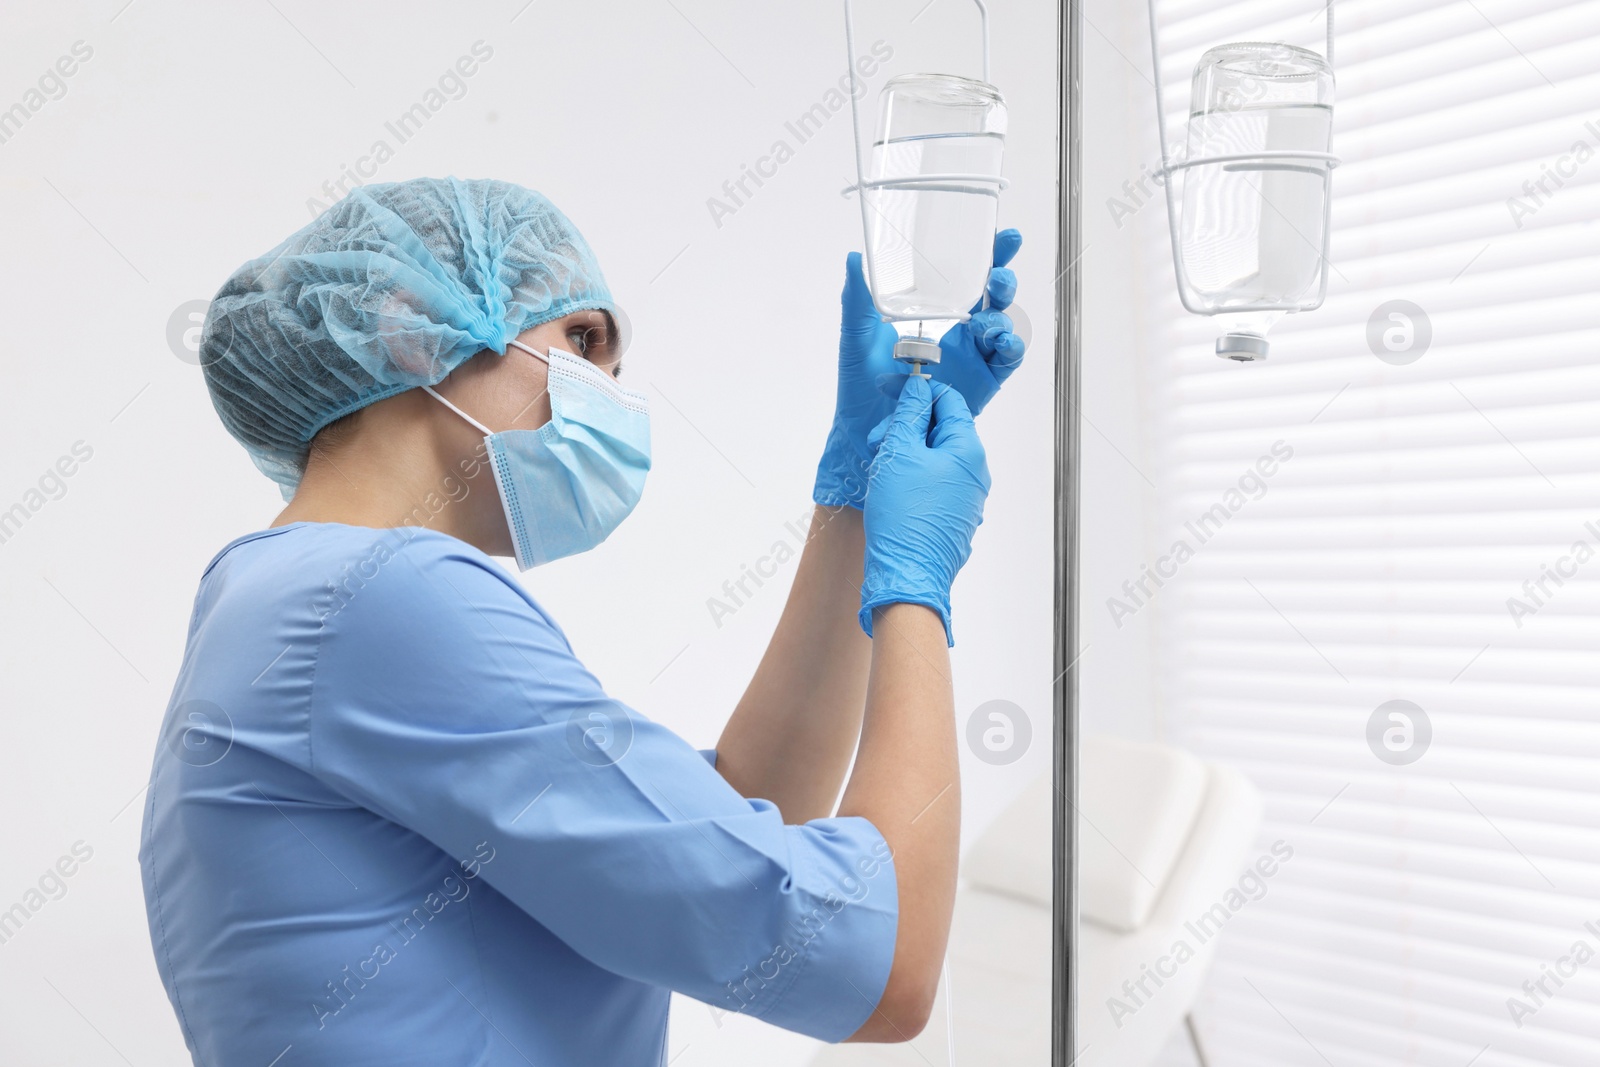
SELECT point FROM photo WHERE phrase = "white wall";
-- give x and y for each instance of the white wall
(1118, 147)
(193, 138)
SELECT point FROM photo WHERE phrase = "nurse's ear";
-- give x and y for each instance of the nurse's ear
(501, 392)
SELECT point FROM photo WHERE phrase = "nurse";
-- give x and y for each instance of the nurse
(393, 820)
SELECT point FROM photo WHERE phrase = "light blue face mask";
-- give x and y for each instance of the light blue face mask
(567, 485)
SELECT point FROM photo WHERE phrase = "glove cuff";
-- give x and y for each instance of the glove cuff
(841, 475)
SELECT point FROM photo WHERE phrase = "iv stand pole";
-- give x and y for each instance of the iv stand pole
(1068, 458)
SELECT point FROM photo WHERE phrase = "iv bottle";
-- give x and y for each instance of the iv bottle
(930, 243)
(1254, 230)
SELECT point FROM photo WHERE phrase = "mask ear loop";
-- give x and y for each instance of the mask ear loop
(480, 426)
(514, 343)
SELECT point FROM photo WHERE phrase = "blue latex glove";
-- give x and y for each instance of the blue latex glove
(976, 357)
(924, 501)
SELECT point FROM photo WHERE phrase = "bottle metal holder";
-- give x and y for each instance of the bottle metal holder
(913, 350)
(1241, 345)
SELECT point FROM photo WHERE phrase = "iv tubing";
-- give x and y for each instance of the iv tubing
(1330, 32)
(949, 1014)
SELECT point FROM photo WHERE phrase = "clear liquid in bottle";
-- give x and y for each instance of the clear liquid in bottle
(930, 242)
(1252, 231)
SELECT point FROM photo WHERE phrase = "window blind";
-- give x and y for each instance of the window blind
(1434, 538)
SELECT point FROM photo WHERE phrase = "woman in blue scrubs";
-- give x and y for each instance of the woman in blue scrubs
(393, 820)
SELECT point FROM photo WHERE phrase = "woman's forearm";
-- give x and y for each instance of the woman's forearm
(792, 735)
(906, 781)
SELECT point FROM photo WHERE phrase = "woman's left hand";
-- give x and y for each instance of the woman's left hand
(977, 356)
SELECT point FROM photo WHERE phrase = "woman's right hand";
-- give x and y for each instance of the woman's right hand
(924, 502)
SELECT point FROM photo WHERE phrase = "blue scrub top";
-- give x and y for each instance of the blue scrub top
(392, 820)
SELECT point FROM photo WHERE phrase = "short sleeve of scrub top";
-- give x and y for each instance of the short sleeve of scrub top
(422, 686)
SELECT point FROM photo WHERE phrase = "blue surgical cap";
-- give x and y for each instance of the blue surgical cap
(391, 288)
